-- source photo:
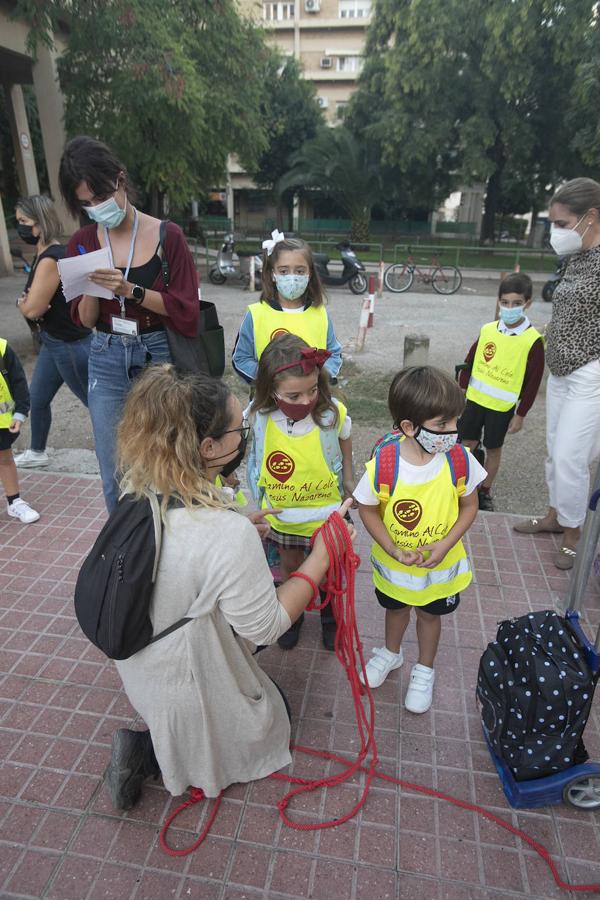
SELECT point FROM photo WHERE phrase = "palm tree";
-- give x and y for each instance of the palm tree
(343, 168)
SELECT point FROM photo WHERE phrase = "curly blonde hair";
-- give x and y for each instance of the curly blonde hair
(166, 416)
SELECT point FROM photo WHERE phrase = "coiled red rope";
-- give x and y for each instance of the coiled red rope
(340, 594)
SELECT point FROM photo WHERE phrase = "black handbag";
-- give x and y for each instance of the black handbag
(205, 352)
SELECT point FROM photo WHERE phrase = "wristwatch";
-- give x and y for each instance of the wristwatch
(138, 294)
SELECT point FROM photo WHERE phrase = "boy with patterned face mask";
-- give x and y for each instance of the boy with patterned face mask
(417, 499)
(504, 368)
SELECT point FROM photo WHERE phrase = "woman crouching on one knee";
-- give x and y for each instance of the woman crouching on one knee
(214, 716)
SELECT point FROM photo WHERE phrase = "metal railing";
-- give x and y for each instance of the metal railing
(468, 256)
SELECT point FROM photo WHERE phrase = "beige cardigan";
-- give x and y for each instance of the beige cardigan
(215, 717)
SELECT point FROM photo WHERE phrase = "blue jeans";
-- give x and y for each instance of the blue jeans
(59, 362)
(115, 360)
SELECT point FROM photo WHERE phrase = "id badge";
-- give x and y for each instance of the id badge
(120, 325)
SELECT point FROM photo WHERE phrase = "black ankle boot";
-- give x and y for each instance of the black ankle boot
(132, 761)
(328, 625)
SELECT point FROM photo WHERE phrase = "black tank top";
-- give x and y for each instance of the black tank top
(57, 321)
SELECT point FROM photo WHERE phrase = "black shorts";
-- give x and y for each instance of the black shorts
(476, 419)
(440, 607)
(7, 438)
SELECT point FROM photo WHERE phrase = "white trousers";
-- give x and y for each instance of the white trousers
(572, 440)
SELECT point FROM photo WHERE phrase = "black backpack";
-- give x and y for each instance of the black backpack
(535, 690)
(115, 583)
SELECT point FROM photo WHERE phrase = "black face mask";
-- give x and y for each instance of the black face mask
(232, 465)
(26, 234)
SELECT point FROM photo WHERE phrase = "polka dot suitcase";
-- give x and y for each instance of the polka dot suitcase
(535, 690)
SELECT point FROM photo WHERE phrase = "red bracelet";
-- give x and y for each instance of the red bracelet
(308, 579)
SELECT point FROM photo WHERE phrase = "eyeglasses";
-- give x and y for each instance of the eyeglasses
(244, 430)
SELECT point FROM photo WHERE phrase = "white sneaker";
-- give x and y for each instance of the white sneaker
(380, 665)
(420, 690)
(20, 510)
(31, 459)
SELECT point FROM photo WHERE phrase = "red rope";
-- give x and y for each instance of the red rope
(340, 594)
(196, 796)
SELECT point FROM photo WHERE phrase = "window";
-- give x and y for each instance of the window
(349, 63)
(354, 9)
(340, 108)
(278, 12)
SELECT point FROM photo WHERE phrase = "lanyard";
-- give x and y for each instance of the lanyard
(130, 259)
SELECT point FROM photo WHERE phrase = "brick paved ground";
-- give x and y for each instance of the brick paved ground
(61, 701)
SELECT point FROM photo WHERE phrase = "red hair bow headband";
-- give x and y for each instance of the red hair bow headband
(310, 359)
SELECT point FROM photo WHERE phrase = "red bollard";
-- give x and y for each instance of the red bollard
(371, 301)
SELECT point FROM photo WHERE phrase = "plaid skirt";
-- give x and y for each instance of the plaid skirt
(297, 541)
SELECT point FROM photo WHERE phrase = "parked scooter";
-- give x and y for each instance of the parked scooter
(353, 273)
(550, 285)
(235, 264)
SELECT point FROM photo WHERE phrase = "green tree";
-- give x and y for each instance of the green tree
(341, 167)
(474, 92)
(290, 115)
(173, 87)
(410, 180)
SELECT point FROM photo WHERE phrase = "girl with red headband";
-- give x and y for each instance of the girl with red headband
(300, 459)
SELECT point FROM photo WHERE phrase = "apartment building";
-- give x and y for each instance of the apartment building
(327, 37)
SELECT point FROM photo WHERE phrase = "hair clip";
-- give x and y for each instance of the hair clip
(276, 238)
(310, 359)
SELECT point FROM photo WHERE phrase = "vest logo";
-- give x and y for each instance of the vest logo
(280, 466)
(408, 513)
(489, 351)
(277, 333)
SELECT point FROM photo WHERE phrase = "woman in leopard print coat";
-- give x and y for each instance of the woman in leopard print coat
(573, 357)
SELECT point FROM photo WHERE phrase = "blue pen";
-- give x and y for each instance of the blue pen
(80, 249)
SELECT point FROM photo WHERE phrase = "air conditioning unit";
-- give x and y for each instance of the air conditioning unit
(312, 6)
(323, 102)
(326, 61)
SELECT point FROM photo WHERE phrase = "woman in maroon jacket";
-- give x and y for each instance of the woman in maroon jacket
(130, 327)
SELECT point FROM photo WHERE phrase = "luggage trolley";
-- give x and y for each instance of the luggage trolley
(578, 785)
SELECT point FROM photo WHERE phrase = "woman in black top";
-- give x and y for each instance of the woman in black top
(65, 346)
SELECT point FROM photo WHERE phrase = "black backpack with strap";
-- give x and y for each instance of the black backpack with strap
(535, 689)
(115, 583)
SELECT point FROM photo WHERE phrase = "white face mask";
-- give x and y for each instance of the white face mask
(108, 212)
(567, 240)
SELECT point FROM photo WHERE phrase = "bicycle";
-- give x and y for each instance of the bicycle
(444, 279)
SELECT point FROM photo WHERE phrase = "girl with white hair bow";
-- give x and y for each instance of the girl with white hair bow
(292, 302)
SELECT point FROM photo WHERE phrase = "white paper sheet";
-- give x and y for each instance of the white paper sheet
(74, 273)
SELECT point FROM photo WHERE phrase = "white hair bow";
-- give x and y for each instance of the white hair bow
(276, 238)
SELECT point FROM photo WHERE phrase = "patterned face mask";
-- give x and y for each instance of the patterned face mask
(291, 286)
(435, 441)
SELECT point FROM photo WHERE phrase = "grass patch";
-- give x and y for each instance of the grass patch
(365, 393)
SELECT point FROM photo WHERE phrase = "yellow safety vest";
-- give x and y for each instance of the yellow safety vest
(296, 478)
(310, 325)
(7, 404)
(239, 497)
(418, 514)
(499, 367)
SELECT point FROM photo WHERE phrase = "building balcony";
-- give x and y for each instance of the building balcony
(317, 23)
(329, 75)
